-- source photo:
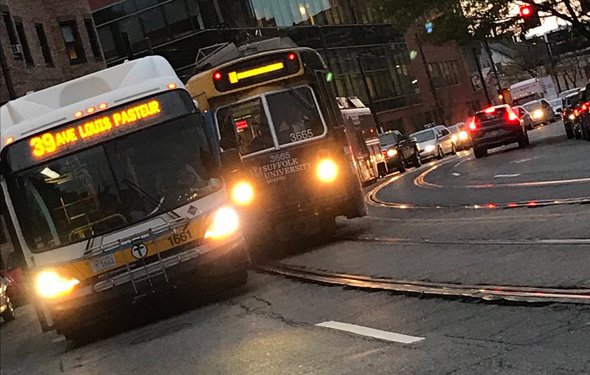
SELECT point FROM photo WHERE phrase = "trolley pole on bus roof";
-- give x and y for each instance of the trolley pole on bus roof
(6, 74)
(368, 92)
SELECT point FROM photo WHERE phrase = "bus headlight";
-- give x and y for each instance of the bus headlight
(391, 153)
(327, 170)
(51, 285)
(463, 135)
(225, 222)
(242, 194)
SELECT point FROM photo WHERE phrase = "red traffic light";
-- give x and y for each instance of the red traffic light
(526, 11)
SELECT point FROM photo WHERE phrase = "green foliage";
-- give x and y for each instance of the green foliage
(453, 20)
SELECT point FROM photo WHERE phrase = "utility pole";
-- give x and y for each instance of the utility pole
(6, 74)
(439, 110)
(483, 81)
(494, 69)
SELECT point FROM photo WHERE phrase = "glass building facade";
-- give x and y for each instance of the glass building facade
(368, 57)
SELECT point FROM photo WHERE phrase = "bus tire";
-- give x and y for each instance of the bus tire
(401, 168)
(416, 160)
(382, 168)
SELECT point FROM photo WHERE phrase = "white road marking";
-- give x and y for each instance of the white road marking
(456, 174)
(520, 161)
(58, 339)
(371, 332)
(507, 175)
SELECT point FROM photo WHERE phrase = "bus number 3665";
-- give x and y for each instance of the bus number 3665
(300, 136)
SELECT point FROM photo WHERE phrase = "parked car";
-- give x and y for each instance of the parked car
(569, 114)
(557, 106)
(494, 127)
(6, 308)
(435, 142)
(580, 107)
(584, 113)
(12, 271)
(541, 112)
(460, 136)
(399, 151)
(525, 116)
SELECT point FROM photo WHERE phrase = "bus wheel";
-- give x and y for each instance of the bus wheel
(416, 161)
(382, 168)
(328, 224)
(401, 167)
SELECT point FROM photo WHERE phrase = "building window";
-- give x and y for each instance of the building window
(24, 44)
(444, 74)
(43, 43)
(10, 28)
(72, 41)
(93, 37)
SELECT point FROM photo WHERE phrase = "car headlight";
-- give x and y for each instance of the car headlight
(463, 135)
(50, 284)
(327, 170)
(225, 222)
(538, 114)
(429, 148)
(242, 194)
(572, 117)
(391, 152)
(454, 138)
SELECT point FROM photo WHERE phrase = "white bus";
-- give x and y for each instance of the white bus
(113, 186)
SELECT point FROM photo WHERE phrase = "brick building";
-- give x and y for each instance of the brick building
(45, 42)
(368, 56)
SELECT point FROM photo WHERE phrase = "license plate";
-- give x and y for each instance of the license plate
(103, 263)
(494, 133)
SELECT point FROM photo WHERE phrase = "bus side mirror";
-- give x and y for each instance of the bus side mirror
(231, 160)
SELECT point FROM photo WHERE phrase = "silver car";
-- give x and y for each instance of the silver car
(541, 112)
(435, 142)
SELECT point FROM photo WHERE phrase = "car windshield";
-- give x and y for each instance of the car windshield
(423, 136)
(292, 116)
(114, 184)
(387, 139)
(532, 106)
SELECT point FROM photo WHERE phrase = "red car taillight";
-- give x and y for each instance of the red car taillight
(472, 124)
(511, 117)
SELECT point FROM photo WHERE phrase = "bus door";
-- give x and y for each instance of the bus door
(360, 151)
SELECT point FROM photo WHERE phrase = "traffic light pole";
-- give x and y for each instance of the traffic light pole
(483, 81)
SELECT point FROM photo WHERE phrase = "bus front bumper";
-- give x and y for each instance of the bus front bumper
(196, 271)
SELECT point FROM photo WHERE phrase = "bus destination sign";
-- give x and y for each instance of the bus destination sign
(256, 71)
(51, 142)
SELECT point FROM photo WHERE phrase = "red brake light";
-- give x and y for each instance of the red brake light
(217, 76)
(490, 110)
(473, 124)
(292, 56)
(512, 117)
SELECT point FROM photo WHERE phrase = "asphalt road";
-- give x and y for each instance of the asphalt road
(272, 325)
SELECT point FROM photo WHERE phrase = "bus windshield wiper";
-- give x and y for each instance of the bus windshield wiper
(159, 203)
(298, 96)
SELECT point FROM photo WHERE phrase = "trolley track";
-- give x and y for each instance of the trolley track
(528, 295)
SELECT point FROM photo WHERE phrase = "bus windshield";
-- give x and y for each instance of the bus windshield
(292, 116)
(114, 184)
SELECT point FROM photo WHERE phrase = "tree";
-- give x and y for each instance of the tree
(461, 21)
